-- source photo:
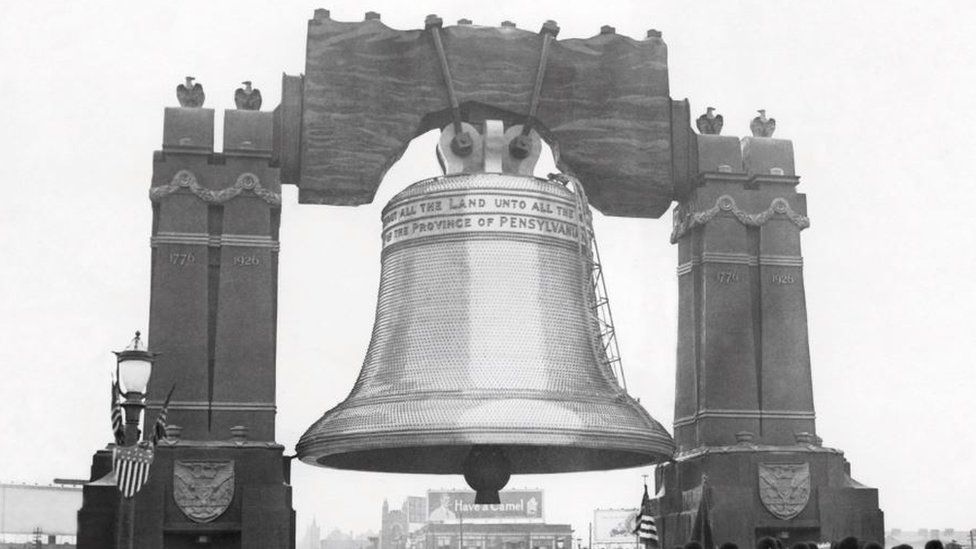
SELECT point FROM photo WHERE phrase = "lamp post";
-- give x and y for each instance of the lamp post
(133, 368)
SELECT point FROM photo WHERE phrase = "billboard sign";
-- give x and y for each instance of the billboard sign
(458, 505)
(52, 510)
(614, 525)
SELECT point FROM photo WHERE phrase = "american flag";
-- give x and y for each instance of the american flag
(131, 465)
(701, 530)
(159, 428)
(118, 429)
(646, 527)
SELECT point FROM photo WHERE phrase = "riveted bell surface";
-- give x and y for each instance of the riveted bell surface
(483, 335)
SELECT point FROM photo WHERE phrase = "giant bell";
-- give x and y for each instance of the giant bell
(486, 358)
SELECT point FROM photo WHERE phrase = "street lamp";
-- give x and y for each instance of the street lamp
(133, 368)
(131, 462)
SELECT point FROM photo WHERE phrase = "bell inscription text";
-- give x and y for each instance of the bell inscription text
(493, 212)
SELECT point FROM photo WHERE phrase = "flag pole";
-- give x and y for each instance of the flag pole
(646, 527)
(640, 513)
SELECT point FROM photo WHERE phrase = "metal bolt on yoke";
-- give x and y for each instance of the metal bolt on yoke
(462, 144)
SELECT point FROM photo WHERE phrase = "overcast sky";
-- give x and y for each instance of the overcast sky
(877, 97)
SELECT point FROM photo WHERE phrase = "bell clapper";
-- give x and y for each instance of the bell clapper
(486, 470)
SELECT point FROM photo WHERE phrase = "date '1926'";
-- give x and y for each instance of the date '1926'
(246, 260)
(782, 279)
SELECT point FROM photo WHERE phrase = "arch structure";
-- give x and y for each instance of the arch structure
(749, 462)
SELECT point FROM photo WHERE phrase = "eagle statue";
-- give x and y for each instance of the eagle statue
(248, 98)
(190, 94)
(710, 123)
(762, 126)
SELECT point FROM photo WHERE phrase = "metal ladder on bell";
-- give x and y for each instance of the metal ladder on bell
(599, 309)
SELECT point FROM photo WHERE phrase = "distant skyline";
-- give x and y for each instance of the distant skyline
(876, 97)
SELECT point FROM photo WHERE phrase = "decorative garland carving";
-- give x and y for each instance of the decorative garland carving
(185, 179)
(686, 220)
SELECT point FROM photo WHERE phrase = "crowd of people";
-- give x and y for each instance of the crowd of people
(846, 543)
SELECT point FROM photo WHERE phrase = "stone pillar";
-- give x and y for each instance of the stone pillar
(214, 291)
(213, 309)
(743, 363)
(744, 416)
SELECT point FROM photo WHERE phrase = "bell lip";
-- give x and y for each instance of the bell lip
(642, 441)
(442, 451)
(448, 458)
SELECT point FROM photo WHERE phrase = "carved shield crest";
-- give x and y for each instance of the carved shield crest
(784, 488)
(203, 489)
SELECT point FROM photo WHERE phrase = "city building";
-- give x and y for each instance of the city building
(312, 537)
(337, 539)
(451, 519)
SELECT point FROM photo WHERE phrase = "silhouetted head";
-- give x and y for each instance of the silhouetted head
(850, 542)
(693, 545)
(872, 545)
(766, 543)
(903, 546)
(934, 544)
(729, 545)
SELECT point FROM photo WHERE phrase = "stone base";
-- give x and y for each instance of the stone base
(259, 514)
(836, 505)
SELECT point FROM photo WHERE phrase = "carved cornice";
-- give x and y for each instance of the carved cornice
(744, 414)
(755, 449)
(208, 444)
(766, 260)
(186, 180)
(222, 406)
(214, 241)
(686, 220)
